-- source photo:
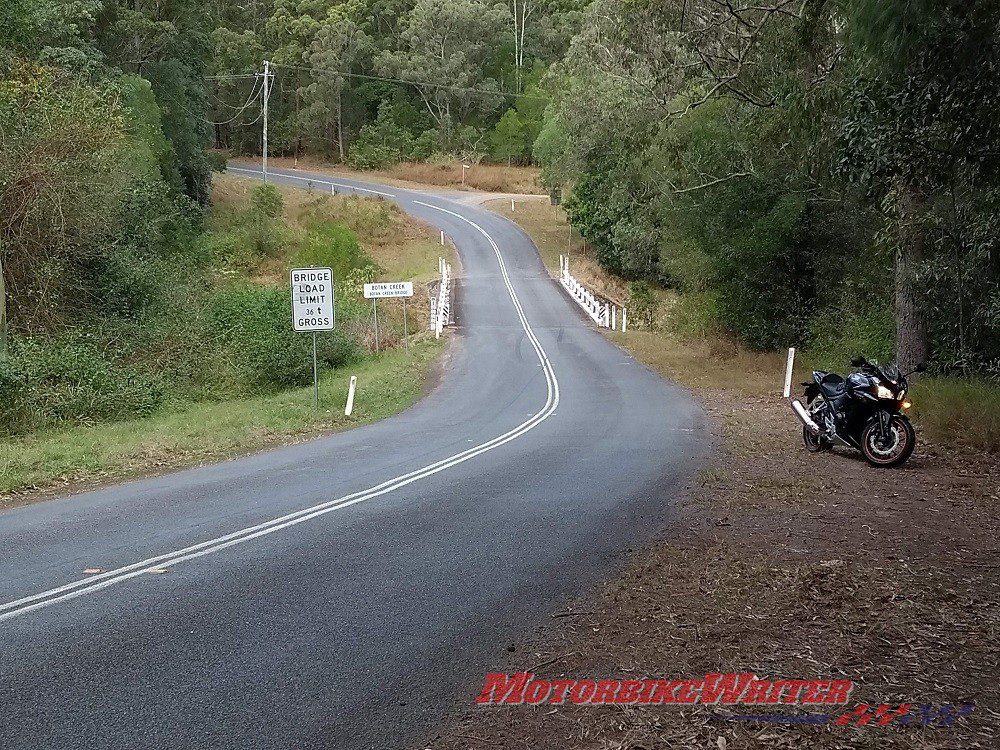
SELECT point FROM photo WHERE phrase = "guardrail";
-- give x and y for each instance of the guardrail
(441, 303)
(600, 311)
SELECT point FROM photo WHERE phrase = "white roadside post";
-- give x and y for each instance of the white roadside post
(614, 318)
(312, 308)
(442, 238)
(624, 319)
(788, 372)
(350, 396)
(511, 204)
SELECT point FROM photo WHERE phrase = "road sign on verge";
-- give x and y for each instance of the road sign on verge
(384, 289)
(312, 299)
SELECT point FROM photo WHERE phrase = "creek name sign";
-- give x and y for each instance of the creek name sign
(383, 289)
(388, 290)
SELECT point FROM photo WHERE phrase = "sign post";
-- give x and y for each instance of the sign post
(312, 308)
(386, 290)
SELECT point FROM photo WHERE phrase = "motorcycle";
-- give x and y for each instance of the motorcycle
(865, 411)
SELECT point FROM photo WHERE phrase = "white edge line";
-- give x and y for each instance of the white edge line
(312, 180)
(95, 583)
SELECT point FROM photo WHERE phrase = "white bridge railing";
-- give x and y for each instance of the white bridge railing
(600, 311)
(441, 304)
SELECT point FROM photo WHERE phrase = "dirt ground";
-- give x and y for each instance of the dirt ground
(786, 564)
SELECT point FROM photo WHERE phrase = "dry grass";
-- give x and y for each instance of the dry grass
(491, 178)
(405, 248)
(552, 234)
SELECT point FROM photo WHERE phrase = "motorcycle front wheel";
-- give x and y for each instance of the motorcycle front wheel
(891, 450)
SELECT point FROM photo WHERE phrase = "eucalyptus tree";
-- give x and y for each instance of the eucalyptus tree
(443, 49)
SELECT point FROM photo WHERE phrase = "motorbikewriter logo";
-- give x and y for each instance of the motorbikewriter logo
(732, 688)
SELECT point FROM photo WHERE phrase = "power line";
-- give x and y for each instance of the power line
(229, 76)
(249, 101)
(389, 79)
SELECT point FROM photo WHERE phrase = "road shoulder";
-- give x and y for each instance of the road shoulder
(786, 564)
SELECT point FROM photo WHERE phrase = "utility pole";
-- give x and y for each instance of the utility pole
(267, 92)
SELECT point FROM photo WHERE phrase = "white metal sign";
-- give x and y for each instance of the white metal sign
(312, 299)
(385, 289)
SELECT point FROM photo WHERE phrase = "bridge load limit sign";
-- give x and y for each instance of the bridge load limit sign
(312, 299)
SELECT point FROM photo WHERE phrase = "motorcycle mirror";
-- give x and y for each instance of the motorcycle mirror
(921, 367)
(858, 362)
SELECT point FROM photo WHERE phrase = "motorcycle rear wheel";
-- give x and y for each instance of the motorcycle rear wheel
(814, 443)
(887, 455)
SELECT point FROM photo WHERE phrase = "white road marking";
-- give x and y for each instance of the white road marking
(103, 580)
(312, 180)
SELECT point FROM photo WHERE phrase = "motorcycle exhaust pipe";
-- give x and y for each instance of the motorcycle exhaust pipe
(804, 418)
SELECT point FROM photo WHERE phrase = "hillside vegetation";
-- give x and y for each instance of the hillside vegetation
(209, 366)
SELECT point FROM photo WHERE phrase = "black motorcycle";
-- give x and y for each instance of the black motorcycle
(865, 411)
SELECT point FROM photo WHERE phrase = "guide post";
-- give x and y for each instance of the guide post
(312, 308)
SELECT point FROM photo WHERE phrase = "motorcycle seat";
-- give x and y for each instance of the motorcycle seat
(833, 385)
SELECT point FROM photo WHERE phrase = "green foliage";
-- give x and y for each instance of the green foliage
(381, 144)
(45, 382)
(642, 304)
(331, 245)
(253, 232)
(775, 190)
(255, 326)
(266, 200)
(509, 138)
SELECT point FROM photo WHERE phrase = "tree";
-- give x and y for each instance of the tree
(338, 45)
(443, 48)
(924, 126)
(508, 137)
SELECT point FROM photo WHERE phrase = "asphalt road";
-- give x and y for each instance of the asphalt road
(359, 618)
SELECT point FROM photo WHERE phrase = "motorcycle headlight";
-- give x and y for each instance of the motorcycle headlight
(882, 392)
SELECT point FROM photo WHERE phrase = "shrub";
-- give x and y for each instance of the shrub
(643, 303)
(255, 324)
(329, 244)
(43, 383)
(380, 144)
(267, 200)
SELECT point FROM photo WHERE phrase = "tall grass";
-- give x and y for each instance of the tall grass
(959, 411)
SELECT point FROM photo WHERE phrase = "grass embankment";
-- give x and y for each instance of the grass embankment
(490, 178)
(201, 433)
(949, 411)
(228, 373)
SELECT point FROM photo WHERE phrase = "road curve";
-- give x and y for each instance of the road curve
(346, 592)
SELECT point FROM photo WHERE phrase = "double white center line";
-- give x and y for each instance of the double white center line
(95, 583)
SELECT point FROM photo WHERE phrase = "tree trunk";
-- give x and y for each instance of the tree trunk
(911, 326)
(340, 124)
(3, 312)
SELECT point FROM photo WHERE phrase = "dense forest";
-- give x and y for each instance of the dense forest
(812, 172)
